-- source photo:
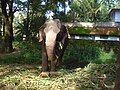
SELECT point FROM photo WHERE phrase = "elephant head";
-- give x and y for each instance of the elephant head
(53, 36)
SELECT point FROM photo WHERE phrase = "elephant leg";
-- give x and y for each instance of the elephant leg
(44, 63)
(53, 65)
(44, 58)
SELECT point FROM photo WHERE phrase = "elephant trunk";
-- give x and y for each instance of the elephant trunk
(50, 53)
(50, 46)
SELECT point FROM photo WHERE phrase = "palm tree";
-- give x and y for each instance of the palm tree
(91, 10)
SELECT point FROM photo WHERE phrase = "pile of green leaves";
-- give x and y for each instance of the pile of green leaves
(26, 77)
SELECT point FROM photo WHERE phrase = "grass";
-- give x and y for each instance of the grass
(26, 77)
(24, 53)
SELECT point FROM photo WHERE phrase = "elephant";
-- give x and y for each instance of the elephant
(54, 37)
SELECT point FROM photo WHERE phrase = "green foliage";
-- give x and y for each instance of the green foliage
(107, 57)
(11, 58)
(117, 4)
(30, 52)
(80, 53)
(30, 17)
(79, 30)
(63, 17)
(24, 53)
(21, 28)
(90, 10)
(90, 30)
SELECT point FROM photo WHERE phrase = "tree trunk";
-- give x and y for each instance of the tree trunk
(3, 28)
(8, 37)
(0, 25)
(117, 79)
(27, 30)
(7, 24)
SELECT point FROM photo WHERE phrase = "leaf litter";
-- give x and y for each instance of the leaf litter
(26, 77)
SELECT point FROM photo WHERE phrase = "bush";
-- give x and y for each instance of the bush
(78, 53)
(27, 53)
(31, 52)
(81, 52)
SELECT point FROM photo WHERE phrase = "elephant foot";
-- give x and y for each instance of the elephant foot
(54, 73)
(44, 74)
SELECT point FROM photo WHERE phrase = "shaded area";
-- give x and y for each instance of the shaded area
(79, 53)
(25, 53)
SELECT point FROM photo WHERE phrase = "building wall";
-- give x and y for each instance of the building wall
(117, 16)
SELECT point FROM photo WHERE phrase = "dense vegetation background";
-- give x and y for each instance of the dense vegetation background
(87, 65)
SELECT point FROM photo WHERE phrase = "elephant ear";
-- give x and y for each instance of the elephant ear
(65, 32)
(41, 35)
(58, 23)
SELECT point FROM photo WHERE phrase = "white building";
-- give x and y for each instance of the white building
(115, 15)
